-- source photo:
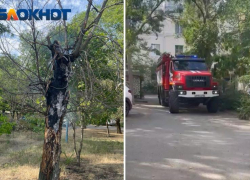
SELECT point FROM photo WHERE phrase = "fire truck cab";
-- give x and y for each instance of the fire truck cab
(185, 81)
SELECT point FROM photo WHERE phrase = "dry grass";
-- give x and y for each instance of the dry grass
(102, 157)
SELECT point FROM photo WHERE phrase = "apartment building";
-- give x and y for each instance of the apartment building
(170, 39)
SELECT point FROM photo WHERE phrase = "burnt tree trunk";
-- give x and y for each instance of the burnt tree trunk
(57, 98)
(118, 126)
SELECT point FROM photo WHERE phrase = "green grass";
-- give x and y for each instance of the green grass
(23, 151)
(96, 146)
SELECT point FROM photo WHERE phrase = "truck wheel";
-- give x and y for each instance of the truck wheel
(173, 102)
(213, 105)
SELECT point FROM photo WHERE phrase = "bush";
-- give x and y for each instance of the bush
(244, 109)
(231, 99)
(150, 88)
(5, 126)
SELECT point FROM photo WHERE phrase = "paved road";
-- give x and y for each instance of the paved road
(191, 145)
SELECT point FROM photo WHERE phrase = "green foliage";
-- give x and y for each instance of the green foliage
(3, 103)
(150, 88)
(96, 71)
(68, 159)
(231, 99)
(234, 41)
(200, 27)
(244, 108)
(32, 122)
(231, 63)
(142, 17)
(118, 114)
(95, 90)
(5, 126)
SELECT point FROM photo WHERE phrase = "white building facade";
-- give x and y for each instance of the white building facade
(170, 39)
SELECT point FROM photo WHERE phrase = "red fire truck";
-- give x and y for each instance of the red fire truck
(186, 81)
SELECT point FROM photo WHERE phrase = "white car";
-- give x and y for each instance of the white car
(129, 100)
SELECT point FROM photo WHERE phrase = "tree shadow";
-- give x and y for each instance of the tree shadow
(88, 171)
(191, 145)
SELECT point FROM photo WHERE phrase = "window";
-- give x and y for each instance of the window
(178, 29)
(188, 65)
(155, 49)
(178, 49)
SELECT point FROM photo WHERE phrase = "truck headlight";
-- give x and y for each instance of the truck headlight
(215, 92)
(182, 92)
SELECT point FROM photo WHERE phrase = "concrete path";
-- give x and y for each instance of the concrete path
(191, 145)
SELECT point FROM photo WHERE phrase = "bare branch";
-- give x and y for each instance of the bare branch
(79, 45)
(65, 30)
(82, 31)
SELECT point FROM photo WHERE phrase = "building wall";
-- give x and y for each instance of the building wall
(167, 39)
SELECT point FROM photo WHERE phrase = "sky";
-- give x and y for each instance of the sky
(76, 6)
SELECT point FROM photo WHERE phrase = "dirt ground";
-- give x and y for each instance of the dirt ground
(101, 157)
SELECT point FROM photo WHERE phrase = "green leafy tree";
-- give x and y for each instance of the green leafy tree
(200, 21)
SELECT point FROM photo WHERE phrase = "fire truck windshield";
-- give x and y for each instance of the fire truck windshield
(189, 65)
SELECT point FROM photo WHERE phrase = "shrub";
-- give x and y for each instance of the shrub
(150, 88)
(231, 98)
(5, 126)
(244, 109)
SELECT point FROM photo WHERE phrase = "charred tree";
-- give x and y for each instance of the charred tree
(57, 98)
(57, 95)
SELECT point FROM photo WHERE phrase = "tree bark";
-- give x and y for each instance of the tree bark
(12, 115)
(107, 128)
(78, 152)
(57, 98)
(80, 147)
(118, 126)
(74, 136)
